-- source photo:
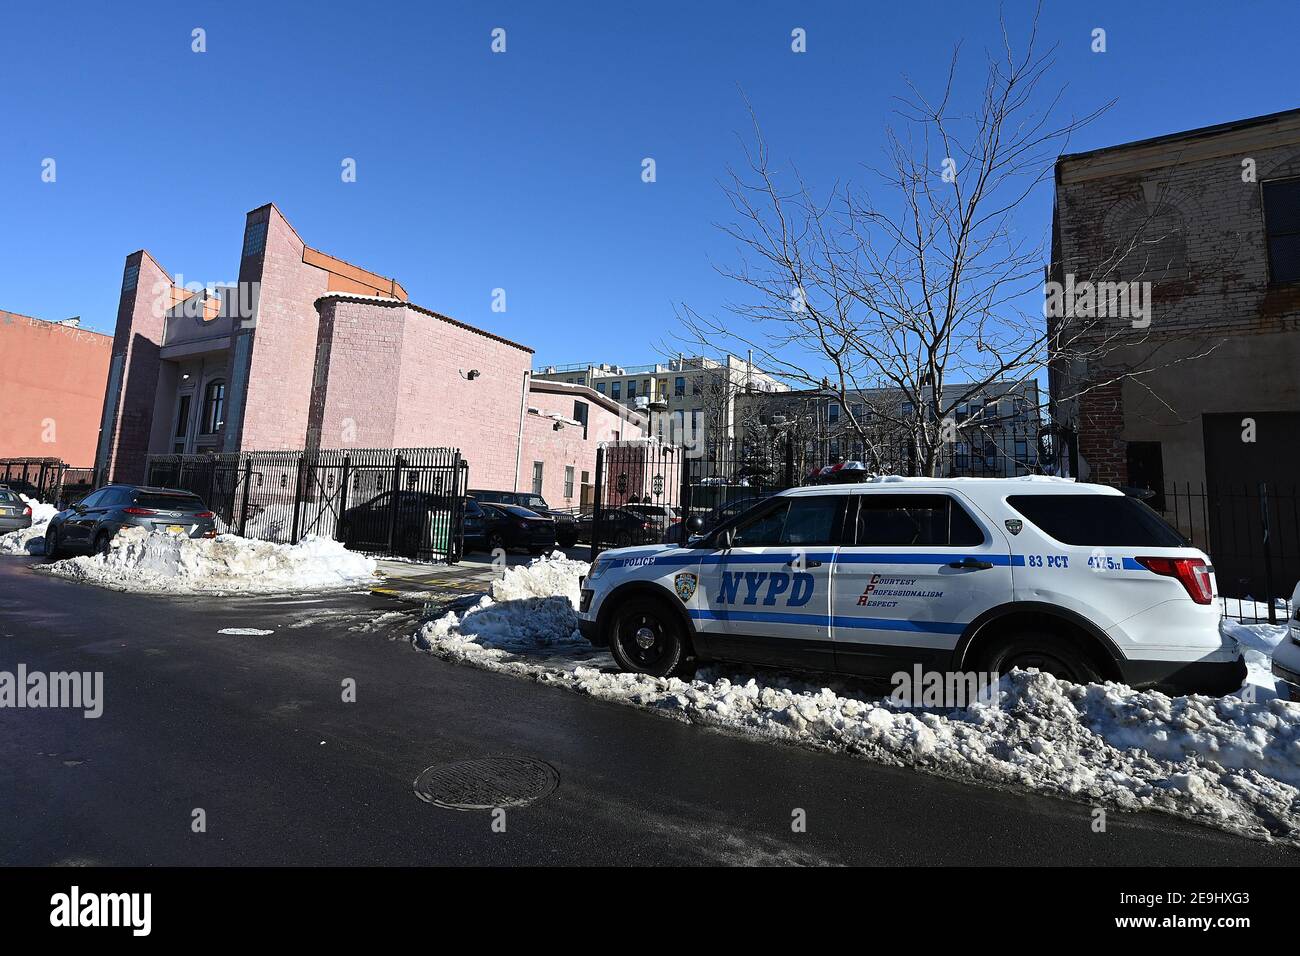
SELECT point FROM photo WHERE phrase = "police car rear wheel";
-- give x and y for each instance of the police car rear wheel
(1044, 652)
(647, 640)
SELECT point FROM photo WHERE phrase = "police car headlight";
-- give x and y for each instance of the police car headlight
(598, 567)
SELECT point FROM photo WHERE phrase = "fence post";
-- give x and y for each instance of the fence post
(343, 496)
(243, 507)
(789, 460)
(456, 525)
(684, 494)
(596, 504)
(1268, 558)
(398, 464)
(297, 498)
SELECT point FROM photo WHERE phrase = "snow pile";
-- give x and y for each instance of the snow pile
(140, 560)
(1226, 762)
(29, 540)
(1257, 642)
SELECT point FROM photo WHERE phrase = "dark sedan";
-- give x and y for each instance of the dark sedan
(91, 523)
(510, 527)
(414, 524)
(566, 529)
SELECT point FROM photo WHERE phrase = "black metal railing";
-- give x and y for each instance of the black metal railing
(406, 502)
(1252, 534)
(47, 479)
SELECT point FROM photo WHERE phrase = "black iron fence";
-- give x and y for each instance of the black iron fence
(47, 479)
(1252, 534)
(645, 490)
(406, 502)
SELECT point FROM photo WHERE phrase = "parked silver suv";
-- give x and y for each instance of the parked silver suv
(91, 523)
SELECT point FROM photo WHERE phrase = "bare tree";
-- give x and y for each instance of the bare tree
(893, 300)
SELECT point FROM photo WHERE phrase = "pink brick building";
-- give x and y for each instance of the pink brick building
(309, 351)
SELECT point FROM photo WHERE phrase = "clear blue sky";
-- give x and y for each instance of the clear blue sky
(521, 170)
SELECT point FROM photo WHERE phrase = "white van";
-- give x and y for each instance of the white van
(958, 574)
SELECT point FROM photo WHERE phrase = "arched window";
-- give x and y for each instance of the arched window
(214, 407)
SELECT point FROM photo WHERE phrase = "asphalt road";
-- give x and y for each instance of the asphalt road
(254, 731)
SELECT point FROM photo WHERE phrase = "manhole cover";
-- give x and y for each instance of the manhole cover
(486, 783)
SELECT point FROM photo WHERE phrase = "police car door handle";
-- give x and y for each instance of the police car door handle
(795, 562)
(974, 564)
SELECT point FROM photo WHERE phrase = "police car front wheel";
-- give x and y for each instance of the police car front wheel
(647, 639)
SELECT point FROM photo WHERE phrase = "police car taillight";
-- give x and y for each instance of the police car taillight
(1192, 573)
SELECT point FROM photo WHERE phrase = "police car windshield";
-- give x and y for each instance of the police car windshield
(810, 520)
(1098, 520)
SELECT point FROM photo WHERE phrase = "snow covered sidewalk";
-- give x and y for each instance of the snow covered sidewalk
(1226, 762)
(138, 560)
(29, 540)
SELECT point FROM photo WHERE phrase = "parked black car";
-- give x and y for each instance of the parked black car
(420, 522)
(511, 527)
(91, 523)
(566, 528)
(621, 528)
(483, 526)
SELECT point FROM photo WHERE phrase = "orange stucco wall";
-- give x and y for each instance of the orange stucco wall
(52, 381)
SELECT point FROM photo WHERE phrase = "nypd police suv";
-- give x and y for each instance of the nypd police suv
(959, 574)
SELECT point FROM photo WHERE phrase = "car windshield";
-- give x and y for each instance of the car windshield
(168, 502)
(519, 512)
(1098, 520)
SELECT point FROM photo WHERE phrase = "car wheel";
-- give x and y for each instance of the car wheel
(568, 541)
(622, 540)
(52, 543)
(1046, 652)
(495, 541)
(102, 541)
(647, 639)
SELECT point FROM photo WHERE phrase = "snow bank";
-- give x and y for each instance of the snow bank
(29, 540)
(140, 560)
(1227, 762)
(1256, 642)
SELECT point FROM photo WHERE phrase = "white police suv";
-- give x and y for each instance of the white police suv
(958, 574)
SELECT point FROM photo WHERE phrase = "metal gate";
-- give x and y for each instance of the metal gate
(645, 490)
(405, 502)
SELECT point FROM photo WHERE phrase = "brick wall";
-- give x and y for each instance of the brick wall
(277, 398)
(566, 446)
(1210, 284)
(55, 374)
(137, 337)
(391, 377)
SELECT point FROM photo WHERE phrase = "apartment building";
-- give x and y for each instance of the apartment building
(687, 400)
(994, 427)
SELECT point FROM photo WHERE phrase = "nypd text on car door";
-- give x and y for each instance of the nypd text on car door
(766, 597)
